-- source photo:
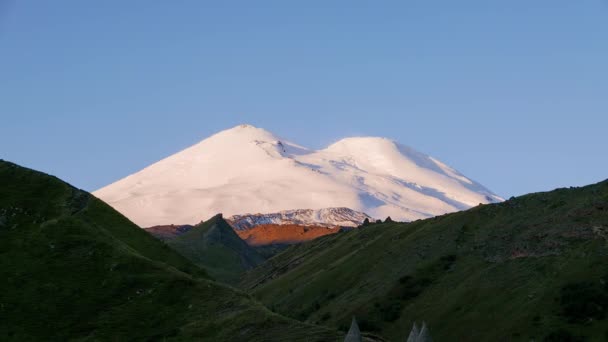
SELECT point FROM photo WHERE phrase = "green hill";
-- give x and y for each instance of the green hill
(215, 246)
(531, 268)
(72, 268)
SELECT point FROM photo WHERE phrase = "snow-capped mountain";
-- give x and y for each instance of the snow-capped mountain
(249, 170)
(326, 217)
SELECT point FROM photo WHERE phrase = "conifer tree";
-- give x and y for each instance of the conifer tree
(424, 335)
(354, 334)
(413, 337)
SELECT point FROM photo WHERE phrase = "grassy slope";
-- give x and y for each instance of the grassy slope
(495, 272)
(73, 268)
(216, 247)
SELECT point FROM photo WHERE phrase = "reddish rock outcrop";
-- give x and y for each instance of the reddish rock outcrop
(268, 234)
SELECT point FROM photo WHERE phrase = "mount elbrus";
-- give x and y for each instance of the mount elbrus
(249, 170)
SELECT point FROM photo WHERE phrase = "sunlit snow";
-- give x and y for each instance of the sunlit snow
(249, 170)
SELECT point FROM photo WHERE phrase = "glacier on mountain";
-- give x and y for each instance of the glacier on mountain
(249, 170)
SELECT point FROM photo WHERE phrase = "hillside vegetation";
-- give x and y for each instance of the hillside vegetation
(215, 246)
(72, 268)
(530, 268)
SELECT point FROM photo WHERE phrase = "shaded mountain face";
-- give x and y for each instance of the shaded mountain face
(531, 268)
(283, 228)
(294, 226)
(249, 170)
(227, 253)
(72, 268)
(168, 232)
(215, 246)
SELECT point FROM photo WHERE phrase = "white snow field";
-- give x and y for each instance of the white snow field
(249, 170)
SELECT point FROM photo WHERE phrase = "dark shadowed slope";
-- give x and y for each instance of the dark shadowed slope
(73, 268)
(168, 232)
(531, 268)
(215, 246)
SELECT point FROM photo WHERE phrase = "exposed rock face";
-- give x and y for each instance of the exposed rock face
(276, 234)
(354, 334)
(327, 217)
(286, 227)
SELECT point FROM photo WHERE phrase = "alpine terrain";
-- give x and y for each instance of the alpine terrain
(249, 170)
(215, 246)
(294, 226)
(327, 217)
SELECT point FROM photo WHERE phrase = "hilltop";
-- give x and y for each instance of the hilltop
(531, 268)
(215, 246)
(72, 268)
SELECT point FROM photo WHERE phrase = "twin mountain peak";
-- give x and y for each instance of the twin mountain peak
(247, 170)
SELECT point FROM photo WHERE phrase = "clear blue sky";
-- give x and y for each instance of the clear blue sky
(514, 94)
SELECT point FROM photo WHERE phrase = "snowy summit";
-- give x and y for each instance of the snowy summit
(249, 170)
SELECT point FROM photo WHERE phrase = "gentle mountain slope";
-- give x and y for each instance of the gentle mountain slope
(215, 246)
(531, 268)
(249, 170)
(74, 269)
